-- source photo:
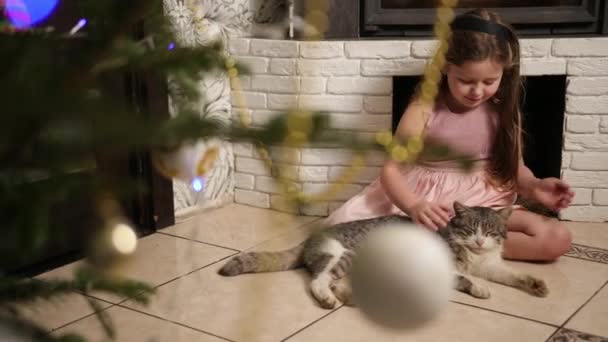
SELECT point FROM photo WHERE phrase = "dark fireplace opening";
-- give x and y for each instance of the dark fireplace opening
(543, 119)
(415, 18)
(540, 17)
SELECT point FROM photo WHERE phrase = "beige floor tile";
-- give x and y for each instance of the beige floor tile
(250, 307)
(254, 307)
(158, 259)
(571, 282)
(456, 323)
(60, 310)
(593, 318)
(237, 226)
(590, 234)
(133, 326)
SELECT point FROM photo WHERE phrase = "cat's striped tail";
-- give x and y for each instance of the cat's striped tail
(257, 262)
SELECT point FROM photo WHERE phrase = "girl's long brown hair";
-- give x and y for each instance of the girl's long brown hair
(465, 46)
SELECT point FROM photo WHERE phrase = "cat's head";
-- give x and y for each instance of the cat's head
(479, 229)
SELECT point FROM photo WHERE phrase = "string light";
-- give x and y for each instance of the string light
(80, 24)
(198, 184)
(123, 238)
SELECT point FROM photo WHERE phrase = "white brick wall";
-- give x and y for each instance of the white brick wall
(353, 81)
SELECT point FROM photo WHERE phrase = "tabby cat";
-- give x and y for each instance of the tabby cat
(475, 236)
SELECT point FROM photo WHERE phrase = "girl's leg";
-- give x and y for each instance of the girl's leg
(534, 237)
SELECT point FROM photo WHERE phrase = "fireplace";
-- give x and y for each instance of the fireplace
(543, 119)
(540, 17)
(414, 18)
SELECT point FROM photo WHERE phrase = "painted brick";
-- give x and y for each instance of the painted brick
(580, 47)
(327, 67)
(588, 86)
(582, 123)
(586, 142)
(541, 66)
(392, 67)
(275, 84)
(252, 198)
(377, 49)
(283, 66)
(588, 67)
(590, 161)
(274, 48)
(244, 181)
(322, 49)
(587, 104)
(343, 103)
(360, 85)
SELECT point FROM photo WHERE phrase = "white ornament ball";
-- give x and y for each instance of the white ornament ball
(402, 276)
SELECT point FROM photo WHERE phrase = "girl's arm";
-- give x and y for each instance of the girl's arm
(432, 215)
(411, 125)
(526, 181)
(551, 192)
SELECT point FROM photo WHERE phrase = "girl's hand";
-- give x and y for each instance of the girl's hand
(432, 215)
(553, 193)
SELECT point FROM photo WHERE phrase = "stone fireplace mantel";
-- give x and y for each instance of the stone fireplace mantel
(352, 79)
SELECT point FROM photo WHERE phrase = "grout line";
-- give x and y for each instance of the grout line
(198, 241)
(553, 334)
(582, 306)
(291, 231)
(181, 276)
(174, 322)
(311, 323)
(161, 284)
(79, 319)
(506, 314)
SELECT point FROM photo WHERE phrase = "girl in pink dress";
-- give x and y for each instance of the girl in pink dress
(477, 113)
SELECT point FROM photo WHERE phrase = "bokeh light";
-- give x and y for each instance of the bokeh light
(198, 184)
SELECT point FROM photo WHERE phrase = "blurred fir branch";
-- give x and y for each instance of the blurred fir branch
(18, 291)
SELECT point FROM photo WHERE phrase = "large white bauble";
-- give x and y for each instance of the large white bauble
(402, 276)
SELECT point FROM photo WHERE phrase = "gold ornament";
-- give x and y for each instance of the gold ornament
(384, 138)
(187, 162)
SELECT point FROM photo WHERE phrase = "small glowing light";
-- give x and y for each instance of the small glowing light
(25, 13)
(124, 239)
(171, 46)
(80, 24)
(198, 184)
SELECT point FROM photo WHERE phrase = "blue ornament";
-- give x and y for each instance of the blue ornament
(26, 13)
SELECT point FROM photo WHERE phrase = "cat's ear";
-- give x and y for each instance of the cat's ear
(505, 212)
(460, 208)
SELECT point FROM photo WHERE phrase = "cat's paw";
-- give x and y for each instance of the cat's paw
(329, 302)
(324, 296)
(343, 291)
(479, 291)
(534, 286)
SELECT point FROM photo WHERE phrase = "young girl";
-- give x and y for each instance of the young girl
(476, 112)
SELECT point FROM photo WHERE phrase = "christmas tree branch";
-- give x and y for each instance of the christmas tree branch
(22, 329)
(15, 290)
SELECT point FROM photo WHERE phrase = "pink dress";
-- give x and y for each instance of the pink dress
(440, 181)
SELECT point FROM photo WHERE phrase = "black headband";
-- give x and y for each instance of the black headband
(472, 23)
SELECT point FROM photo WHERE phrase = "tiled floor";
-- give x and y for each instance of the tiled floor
(194, 303)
